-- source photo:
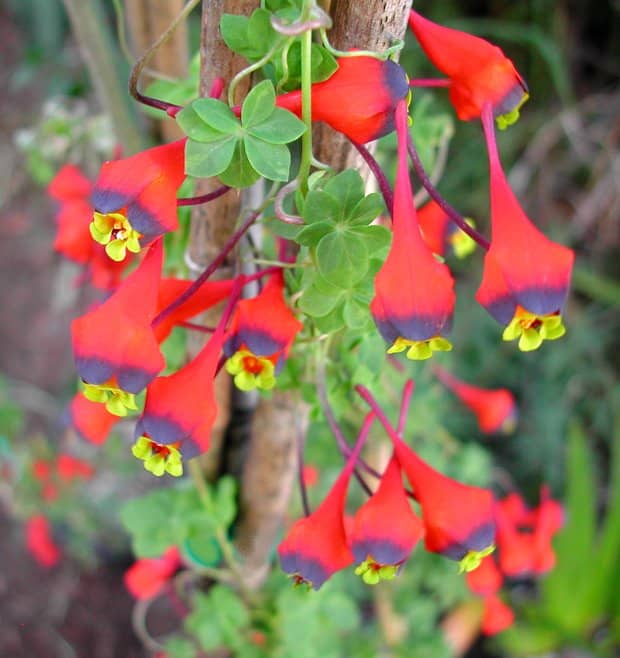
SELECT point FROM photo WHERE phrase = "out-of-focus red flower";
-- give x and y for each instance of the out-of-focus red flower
(441, 234)
(71, 468)
(414, 296)
(116, 352)
(495, 409)
(358, 100)
(310, 475)
(148, 576)
(72, 190)
(40, 543)
(486, 579)
(479, 72)
(497, 616)
(91, 420)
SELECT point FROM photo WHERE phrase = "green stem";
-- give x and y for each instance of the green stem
(306, 103)
(90, 29)
(197, 475)
(250, 69)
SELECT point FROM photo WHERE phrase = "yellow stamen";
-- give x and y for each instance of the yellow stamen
(418, 350)
(372, 572)
(251, 371)
(116, 401)
(532, 329)
(473, 559)
(505, 120)
(158, 459)
(115, 232)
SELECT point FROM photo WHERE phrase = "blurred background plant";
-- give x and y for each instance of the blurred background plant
(564, 165)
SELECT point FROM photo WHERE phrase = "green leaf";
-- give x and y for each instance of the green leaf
(195, 127)
(347, 188)
(321, 207)
(240, 172)
(217, 115)
(217, 618)
(342, 258)
(258, 105)
(281, 127)
(272, 161)
(366, 210)
(355, 313)
(315, 303)
(200, 545)
(209, 159)
(234, 31)
(376, 238)
(260, 31)
(331, 322)
(309, 236)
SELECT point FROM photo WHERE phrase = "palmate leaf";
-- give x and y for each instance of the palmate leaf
(239, 172)
(203, 160)
(281, 127)
(258, 105)
(272, 161)
(342, 258)
(217, 115)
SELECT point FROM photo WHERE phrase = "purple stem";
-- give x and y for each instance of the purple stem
(382, 180)
(453, 214)
(209, 270)
(203, 198)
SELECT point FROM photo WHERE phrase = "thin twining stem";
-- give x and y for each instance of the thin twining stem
(209, 270)
(204, 198)
(453, 214)
(378, 173)
(169, 108)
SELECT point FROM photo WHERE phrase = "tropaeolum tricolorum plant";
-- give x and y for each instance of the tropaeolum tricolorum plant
(346, 268)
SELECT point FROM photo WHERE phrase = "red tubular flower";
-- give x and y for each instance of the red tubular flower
(486, 579)
(91, 420)
(385, 529)
(441, 234)
(72, 190)
(115, 350)
(358, 99)
(458, 518)
(179, 412)
(316, 546)
(135, 198)
(497, 616)
(147, 577)
(260, 337)
(526, 276)
(414, 296)
(495, 409)
(479, 72)
(40, 543)
(209, 294)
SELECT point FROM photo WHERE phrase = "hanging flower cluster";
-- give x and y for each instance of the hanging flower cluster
(126, 214)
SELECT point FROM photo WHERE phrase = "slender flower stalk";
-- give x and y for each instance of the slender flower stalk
(378, 173)
(209, 270)
(452, 213)
(204, 198)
